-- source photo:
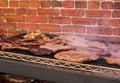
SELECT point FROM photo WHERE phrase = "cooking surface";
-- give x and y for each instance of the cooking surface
(99, 62)
(99, 67)
(48, 45)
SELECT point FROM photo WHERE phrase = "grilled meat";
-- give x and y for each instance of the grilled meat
(36, 50)
(76, 56)
(91, 49)
(30, 42)
(7, 46)
(32, 35)
(57, 47)
(40, 51)
(39, 34)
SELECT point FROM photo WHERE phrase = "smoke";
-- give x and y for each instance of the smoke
(100, 48)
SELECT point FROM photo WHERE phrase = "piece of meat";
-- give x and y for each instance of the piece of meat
(38, 34)
(30, 42)
(113, 59)
(2, 41)
(36, 50)
(40, 51)
(97, 45)
(32, 35)
(54, 41)
(11, 39)
(8, 46)
(44, 37)
(51, 35)
(17, 36)
(91, 49)
(76, 56)
(57, 47)
(26, 40)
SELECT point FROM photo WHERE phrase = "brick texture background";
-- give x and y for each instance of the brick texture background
(93, 19)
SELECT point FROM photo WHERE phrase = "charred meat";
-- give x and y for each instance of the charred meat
(76, 56)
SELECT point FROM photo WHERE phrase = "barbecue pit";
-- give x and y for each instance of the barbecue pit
(25, 64)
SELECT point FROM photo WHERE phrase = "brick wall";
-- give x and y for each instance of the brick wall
(96, 19)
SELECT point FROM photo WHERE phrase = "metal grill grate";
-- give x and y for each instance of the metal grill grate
(90, 69)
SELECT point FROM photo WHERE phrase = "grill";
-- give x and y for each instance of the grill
(57, 70)
(46, 67)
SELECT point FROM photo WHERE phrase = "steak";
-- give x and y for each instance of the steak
(36, 50)
(7, 46)
(17, 36)
(36, 42)
(76, 56)
(96, 44)
(40, 51)
(33, 35)
(57, 47)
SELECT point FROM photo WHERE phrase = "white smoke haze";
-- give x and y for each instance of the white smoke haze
(99, 47)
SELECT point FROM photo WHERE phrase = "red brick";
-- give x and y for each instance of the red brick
(7, 11)
(48, 11)
(93, 4)
(2, 18)
(80, 4)
(49, 28)
(84, 21)
(8, 25)
(20, 11)
(109, 22)
(2, 11)
(36, 19)
(2, 31)
(12, 32)
(116, 31)
(68, 4)
(99, 30)
(13, 3)
(34, 3)
(117, 5)
(56, 3)
(72, 12)
(98, 13)
(116, 14)
(45, 3)
(75, 29)
(3, 3)
(30, 11)
(24, 3)
(60, 20)
(107, 5)
(15, 18)
(27, 26)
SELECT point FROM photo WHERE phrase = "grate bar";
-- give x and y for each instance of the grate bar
(93, 69)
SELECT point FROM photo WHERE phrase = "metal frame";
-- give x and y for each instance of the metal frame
(55, 70)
